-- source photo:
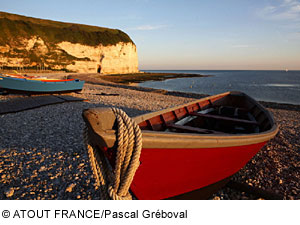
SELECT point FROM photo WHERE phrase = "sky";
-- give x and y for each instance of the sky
(189, 34)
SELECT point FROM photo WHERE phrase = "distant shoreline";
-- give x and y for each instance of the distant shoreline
(131, 81)
(147, 76)
(89, 78)
(222, 70)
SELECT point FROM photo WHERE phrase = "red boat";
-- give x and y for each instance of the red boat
(189, 151)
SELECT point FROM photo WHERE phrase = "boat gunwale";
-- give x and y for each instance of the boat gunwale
(160, 139)
(40, 80)
(141, 118)
(171, 140)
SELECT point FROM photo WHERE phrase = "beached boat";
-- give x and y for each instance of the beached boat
(188, 151)
(31, 84)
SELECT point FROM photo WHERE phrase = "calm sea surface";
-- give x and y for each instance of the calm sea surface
(274, 86)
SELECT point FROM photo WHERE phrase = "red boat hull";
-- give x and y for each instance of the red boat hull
(190, 148)
(164, 173)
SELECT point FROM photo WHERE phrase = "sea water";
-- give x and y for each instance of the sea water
(263, 85)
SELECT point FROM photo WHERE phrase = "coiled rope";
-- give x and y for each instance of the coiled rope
(115, 184)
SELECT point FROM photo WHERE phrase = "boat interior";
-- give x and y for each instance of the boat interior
(233, 113)
(35, 78)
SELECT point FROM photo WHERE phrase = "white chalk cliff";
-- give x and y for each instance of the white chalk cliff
(119, 58)
(38, 43)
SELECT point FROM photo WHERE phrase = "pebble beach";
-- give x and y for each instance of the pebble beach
(43, 156)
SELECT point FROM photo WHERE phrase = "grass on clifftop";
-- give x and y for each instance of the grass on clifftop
(14, 27)
(142, 77)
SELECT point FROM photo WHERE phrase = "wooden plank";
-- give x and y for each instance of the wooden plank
(187, 119)
(243, 110)
(175, 115)
(193, 107)
(193, 129)
(229, 119)
(156, 123)
(181, 112)
(168, 117)
(149, 124)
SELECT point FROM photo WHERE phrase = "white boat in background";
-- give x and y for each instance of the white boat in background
(36, 85)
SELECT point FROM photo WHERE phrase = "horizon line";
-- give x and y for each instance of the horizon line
(224, 69)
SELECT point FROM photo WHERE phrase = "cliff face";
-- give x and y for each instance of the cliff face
(30, 42)
(119, 58)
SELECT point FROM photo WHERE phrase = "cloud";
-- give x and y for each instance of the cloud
(286, 10)
(148, 27)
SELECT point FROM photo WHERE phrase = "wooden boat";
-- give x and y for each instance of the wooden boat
(31, 84)
(29, 77)
(189, 151)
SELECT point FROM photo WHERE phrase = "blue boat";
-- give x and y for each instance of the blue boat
(37, 85)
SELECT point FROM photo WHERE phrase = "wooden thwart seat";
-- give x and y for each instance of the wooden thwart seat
(193, 129)
(244, 110)
(224, 118)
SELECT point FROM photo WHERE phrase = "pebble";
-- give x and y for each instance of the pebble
(42, 150)
(70, 187)
(43, 168)
(216, 198)
(9, 193)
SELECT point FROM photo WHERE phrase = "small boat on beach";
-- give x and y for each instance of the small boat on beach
(16, 83)
(188, 151)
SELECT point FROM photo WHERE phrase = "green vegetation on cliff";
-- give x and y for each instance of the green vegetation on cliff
(14, 26)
